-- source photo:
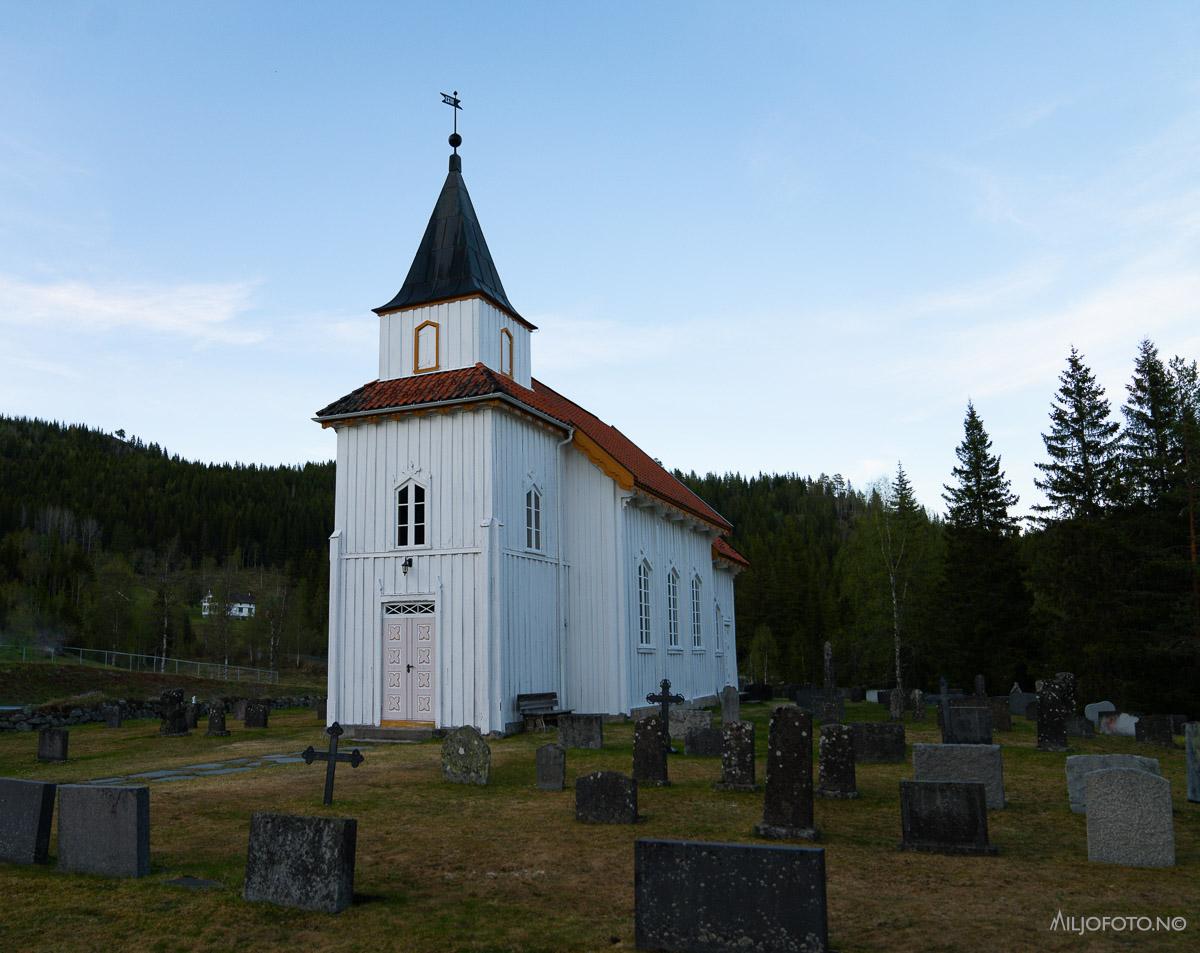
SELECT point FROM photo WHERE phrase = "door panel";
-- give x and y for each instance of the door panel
(408, 668)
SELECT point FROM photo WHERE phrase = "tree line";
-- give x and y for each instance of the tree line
(1102, 580)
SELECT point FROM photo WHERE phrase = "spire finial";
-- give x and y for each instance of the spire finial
(454, 103)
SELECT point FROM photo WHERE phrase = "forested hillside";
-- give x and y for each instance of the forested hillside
(108, 542)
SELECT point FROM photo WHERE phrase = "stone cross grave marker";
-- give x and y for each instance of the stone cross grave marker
(664, 699)
(331, 758)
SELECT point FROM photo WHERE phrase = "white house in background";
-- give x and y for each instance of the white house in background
(491, 537)
(240, 605)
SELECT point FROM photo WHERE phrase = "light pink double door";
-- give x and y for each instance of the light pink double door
(408, 669)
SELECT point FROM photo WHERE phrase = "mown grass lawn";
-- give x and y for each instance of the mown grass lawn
(504, 868)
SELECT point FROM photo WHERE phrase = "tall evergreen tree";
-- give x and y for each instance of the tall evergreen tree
(1081, 476)
(1150, 443)
(983, 496)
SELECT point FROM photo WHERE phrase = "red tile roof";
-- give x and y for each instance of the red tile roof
(480, 381)
(722, 550)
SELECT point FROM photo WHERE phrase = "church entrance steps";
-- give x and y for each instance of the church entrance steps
(410, 735)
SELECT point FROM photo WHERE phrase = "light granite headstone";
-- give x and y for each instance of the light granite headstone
(835, 763)
(710, 897)
(26, 809)
(1191, 744)
(52, 744)
(650, 752)
(1129, 819)
(302, 862)
(788, 800)
(551, 767)
(731, 706)
(606, 797)
(104, 830)
(978, 763)
(466, 757)
(581, 731)
(1118, 723)
(1079, 766)
(737, 757)
(1093, 711)
(947, 817)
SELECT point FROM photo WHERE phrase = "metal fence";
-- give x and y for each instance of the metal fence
(140, 663)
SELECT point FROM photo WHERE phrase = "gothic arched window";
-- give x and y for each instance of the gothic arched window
(643, 581)
(411, 520)
(427, 347)
(506, 352)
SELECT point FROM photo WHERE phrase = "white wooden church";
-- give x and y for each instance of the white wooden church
(492, 538)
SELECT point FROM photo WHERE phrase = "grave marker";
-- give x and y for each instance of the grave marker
(551, 765)
(104, 830)
(788, 800)
(302, 862)
(258, 715)
(1079, 766)
(331, 758)
(704, 742)
(26, 810)
(878, 742)
(581, 731)
(731, 706)
(737, 757)
(52, 744)
(112, 716)
(1129, 819)
(172, 715)
(966, 724)
(1191, 744)
(946, 817)
(650, 752)
(977, 763)
(216, 721)
(1155, 730)
(1052, 715)
(606, 797)
(835, 772)
(1093, 711)
(664, 699)
(466, 757)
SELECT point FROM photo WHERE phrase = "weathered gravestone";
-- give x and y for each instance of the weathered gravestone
(704, 742)
(551, 767)
(26, 809)
(731, 705)
(302, 862)
(239, 709)
(321, 709)
(1001, 716)
(104, 830)
(1067, 685)
(581, 731)
(665, 699)
(191, 715)
(1079, 766)
(947, 817)
(684, 720)
(1155, 730)
(172, 714)
(788, 799)
(828, 706)
(1191, 744)
(703, 897)
(737, 757)
(1093, 711)
(466, 757)
(649, 752)
(1080, 727)
(1018, 701)
(896, 705)
(606, 797)
(216, 721)
(917, 705)
(52, 744)
(258, 715)
(1129, 819)
(980, 687)
(112, 716)
(830, 675)
(835, 763)
(877, 742)
(1052, 715)
(971, 762)
(966, 724)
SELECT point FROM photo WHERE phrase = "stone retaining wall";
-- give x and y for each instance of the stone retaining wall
(33, 717)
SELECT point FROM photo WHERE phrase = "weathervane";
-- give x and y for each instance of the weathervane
(454, 103)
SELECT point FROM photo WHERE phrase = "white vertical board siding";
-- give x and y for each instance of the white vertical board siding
(595, 631)
(723, 581)
(468, 333)
(450, 454)
(529, 647)
(668, 544)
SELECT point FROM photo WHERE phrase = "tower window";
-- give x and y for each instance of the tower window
(426, 347)
(673, 609)
(506, 352)
(533, 519)
(643, 579)
(410, 515)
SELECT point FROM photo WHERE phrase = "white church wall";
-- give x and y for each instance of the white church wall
(672, 544)
(468, 333)
(727, 635)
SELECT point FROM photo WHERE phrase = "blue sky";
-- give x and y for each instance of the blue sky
(755, 237)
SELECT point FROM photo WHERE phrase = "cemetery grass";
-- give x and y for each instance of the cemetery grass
(507, 868)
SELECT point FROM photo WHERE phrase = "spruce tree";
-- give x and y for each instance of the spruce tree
(1150, 452)
(982, 498)
(1081, 477)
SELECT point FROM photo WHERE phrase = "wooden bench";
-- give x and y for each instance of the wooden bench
(538, 706)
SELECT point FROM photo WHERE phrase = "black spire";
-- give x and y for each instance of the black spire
(453, 260)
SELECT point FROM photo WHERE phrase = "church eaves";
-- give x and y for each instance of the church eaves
(452, 260)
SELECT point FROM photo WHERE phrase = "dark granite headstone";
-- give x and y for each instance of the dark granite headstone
(172, 713)
(1052, 715)
(1155, 730)
(980, 687)
(1001, 715)
(52, 744)
(1191, 745)
(702, 897)
(239, 709)
(466, 757)
(917, 704)
(967, 724)
(1080, 727)
(26, 809)
(884, 697)
(731, 706)
(737, 757)
(191, 715)
(649, 752)
(1067, 685)
(830, 676)
(943, 686)
(829, 707)
(1018, 701)
(302, 862)
(606, 797)
(112, 716)
(878, 742)
(551, 767)
(788, 801)
(104, 830)
(216, 721)
(948, 817)
(581, 731)
(704, 742)
(258, 715)
(835, 774)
